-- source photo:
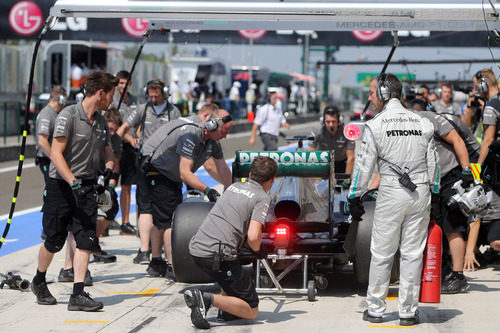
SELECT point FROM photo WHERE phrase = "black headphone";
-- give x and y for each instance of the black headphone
(482, 85)
(63, 98)
(213, 124)
(164, 88)
(333, 111)
(383, 91)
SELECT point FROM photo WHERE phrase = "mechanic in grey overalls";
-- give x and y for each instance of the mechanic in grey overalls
(400, 144)
(330, 136)
(149, 116)
(236, 220)
(177, 150)
(128, 164)
(45, 128)
(80, 133)
(456, 147)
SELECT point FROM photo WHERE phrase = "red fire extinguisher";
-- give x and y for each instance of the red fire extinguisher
(430, 289)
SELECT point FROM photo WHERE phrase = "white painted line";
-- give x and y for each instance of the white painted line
(14, 167)
(21, 212)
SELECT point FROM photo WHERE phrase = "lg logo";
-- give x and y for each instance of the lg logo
(135, 27)
(25, 18)
(72, 23)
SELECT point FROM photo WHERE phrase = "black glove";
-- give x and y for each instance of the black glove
(467, 177)
(111, 213)
(261, 254)
(80, 194)
(212, 194)
(356, 208)
(435, 207)
(107, 175)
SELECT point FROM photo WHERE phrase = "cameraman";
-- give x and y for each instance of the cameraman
(237, 218)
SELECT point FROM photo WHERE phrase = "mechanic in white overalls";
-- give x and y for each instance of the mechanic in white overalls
(400, 144)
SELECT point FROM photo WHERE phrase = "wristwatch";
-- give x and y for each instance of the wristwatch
(467, 169)
(75, 183)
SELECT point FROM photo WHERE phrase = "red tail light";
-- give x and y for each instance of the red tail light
(282, 234)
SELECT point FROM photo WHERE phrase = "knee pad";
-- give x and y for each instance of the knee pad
(86, 240)
(54, 245)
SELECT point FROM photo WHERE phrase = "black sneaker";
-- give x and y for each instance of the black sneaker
(156, 269)
(142, 257)
(42, 293)
(223, 316)
(370, 318)
(68, 275)
(194, 300)
(409, 321)
(114, 225)
(170, 273)
(83, 302)
(127, 229)
(100, 256)
(454, 285)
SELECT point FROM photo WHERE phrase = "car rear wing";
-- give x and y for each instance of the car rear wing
(290, 163)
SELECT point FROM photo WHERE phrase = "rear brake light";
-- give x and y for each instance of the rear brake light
(282, 234)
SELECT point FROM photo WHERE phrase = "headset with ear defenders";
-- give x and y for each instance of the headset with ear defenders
(62, 99)
(213, 124)
(336, 112)
(164, 88)
(482, 85)
(383, 91)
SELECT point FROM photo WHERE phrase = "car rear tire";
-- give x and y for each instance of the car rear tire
(187, 219)
(362, 255)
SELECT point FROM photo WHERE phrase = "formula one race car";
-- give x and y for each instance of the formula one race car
(308, 227)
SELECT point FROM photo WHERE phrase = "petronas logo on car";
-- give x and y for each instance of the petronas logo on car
(288, 158)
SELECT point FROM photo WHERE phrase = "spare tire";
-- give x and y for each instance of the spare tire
(187, 219)
(362, 255)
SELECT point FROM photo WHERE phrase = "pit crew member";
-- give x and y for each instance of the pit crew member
(127, 165)
(80, 133)
(330, 136)
(45, 128)
(149, 116)
(177, 150)
(400, 144)
(237, 218)
(456, 147)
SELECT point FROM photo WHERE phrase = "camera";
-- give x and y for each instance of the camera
(475, 102)
(472, 202)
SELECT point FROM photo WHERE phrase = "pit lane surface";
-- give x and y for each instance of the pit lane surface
(135, 303)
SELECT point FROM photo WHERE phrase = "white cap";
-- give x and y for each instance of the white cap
(237, 84)
(253, 86)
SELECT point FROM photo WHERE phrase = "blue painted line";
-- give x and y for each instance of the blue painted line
(25, 229)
